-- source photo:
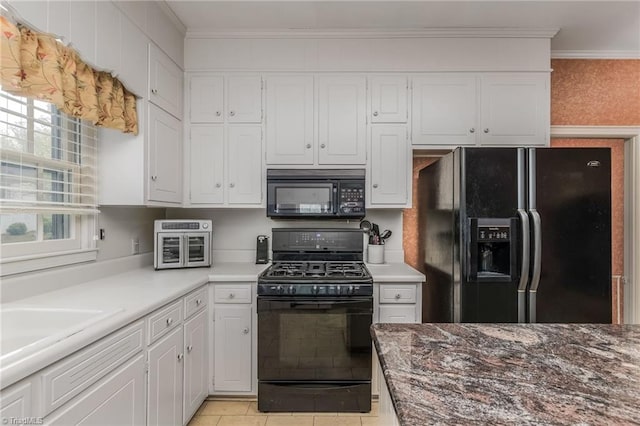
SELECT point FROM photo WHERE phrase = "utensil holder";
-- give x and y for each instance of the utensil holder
(375, 253)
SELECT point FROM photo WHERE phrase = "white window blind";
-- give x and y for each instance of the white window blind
(48, 159)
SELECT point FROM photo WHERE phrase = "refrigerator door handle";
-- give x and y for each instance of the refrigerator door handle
(524, 273)
(537, 263)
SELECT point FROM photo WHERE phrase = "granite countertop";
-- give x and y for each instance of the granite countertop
(511, 373)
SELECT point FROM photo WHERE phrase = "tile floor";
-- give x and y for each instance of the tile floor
(245, 413)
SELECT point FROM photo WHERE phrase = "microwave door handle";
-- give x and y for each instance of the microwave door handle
(185, 250)
(336, 190)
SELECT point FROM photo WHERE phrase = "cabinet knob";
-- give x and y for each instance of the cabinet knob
(218, 185)
(198, 302)
(218, 113)
(322, 146)
(180, 356)
(232, 185)
(472, 130)
(398, 296)
(189, 348)
(154, 91)
(375, 113)
(486, 130)
(154, 178)
(375, 185)
(232, 295)
(232, 113)
(246, 330)
(308, 146)
(169, 321)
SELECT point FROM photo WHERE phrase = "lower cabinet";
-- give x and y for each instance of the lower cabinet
(232, 348)
(195, 364)
(164, 405)
(16, 401)
(386, 412)
(117, 399)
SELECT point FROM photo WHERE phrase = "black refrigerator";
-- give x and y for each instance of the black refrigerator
(516, 235)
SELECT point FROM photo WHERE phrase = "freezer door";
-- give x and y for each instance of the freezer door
(570, 208)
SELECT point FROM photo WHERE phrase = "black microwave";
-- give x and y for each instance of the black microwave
(314, 194)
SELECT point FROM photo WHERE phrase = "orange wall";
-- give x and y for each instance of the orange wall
(597, 92)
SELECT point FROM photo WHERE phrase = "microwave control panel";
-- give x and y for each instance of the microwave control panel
(351, 198)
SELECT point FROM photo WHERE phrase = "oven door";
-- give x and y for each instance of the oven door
(197, 251)
(169, 250)
(314, 339)
(301, 199)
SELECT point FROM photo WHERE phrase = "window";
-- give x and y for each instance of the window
(47, 184)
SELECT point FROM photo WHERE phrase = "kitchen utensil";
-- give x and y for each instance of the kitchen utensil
(376, 233)
(365, 225)
(385, 235)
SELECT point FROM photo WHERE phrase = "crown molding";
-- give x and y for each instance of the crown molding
(164, 6)
(595, 54)
(376, 34)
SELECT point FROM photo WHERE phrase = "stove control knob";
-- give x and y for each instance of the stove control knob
(350, 289)
(292, 289)
(314, 290)
(280, 289)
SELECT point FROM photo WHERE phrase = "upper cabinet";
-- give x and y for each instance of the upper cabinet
(342, 119)
(388, 99)
(229, 99)
(506, 109)
(290, 134)
(164, 157)
(165, 82)
(390, 162)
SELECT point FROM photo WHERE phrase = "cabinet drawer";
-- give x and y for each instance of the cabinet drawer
(397, 293)
(397, 314)
(164, 320)
(67, 378)
(232, 293)
(195, 301)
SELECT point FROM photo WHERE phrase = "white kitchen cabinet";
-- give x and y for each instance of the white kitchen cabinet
(117, 399)
(206, 99)
(400, 314)
(243, 99)
(134, 58)
(165, 82)
(290, 119)
(226, 165)
(165, 380)
(514, 109)
(388, 99)
(165, 157)
(505, 109)
(390, 155)
(233, 338)
(444, 110)
(207, 164)
(342, 119)
(195, 363)
(109, 37)
(16, 401)
(244, 165)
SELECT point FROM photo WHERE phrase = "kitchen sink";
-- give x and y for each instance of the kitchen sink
(27, 329)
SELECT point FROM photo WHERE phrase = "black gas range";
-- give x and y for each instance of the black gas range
(315, 307)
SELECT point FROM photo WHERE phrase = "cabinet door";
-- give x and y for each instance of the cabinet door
(108, 36)
(15, 401)
(232, 348)
(165, 156)
(289, 120)
(206, 167)
(164, 402)
(165, 82)
(244, 147)
(118, 399)
(397, 314)
(388, 99)
(515, 109)
(342, 120)
(206, 99)
(389, 164)
(244, 99)
(133, 46)
(444, 110)
(195, 363)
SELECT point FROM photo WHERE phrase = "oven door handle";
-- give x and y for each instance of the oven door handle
(321, 305)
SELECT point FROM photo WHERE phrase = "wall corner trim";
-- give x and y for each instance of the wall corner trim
(595, 54)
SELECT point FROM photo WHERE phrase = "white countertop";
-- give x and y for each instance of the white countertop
(135, 294)
(396, 272)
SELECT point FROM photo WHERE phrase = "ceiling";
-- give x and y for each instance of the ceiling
(605, 28)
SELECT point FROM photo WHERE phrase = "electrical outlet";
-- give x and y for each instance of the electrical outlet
(135, 246)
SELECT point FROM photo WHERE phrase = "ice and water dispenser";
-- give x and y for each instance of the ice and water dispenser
(492, 250)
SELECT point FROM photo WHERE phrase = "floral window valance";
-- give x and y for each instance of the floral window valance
(37, 65)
